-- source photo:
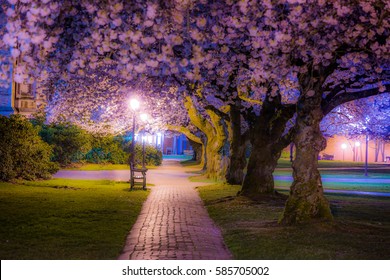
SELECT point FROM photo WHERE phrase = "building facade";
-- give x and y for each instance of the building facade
(16, 98)
(19, 98)
(167, 142)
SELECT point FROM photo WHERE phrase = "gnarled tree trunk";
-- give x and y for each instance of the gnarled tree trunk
(198, 151)
(267, 141)
(307, 201)
(261, 165)
(216, 138)
(237, 163)
(214, 130)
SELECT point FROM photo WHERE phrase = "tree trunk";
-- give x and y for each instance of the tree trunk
(215, 137)
(307, 201)
(377, 149)
(261, 166)
(383, 150)
(197, 148)
(267, 141)
(215, 168)
(237, 163)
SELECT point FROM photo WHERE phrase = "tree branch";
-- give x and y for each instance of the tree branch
(327, 107)
(196, 118)
(221, 114)
(186, 132)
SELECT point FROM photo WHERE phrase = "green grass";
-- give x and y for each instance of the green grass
(177, 157)
(201, 177)
(66, 219)
(190, 163)
(361, 229)
(285, 163)
(99, 167)
(370, 186)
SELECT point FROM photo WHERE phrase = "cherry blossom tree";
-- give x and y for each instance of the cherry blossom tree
(277, 56)
(368, 116)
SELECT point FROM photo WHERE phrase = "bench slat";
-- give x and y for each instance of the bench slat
(141, 175)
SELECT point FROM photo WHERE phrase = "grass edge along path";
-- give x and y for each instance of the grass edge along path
(66, 219)
(361, 228)
(101, 167)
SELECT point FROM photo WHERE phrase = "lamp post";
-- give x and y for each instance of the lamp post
(343, 146)
(134, 105)
(366, 160)
(144, 117)
(357, 145)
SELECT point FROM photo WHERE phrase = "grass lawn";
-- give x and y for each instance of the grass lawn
(285, 163)
(342, 180)
(98, 167)
(361, 228)
(66, 219)
(178, 157)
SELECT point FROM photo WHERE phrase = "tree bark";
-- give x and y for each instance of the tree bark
(215, 133)
(307, 201)
(377, 148)
(216, 137)
(383, 150)
(237, 163)
(261, 166)
(197, 148)
(267, 141)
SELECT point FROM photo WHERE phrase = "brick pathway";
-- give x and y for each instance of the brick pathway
(173, 223)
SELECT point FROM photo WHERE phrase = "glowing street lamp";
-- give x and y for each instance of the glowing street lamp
(356, 151)
(343, 146)
(357, 144)
(134, 104)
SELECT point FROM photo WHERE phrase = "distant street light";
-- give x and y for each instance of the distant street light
(356, 151)
(357, 144)
(343, 146)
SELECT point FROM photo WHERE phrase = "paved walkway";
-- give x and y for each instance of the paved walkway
(173, 223)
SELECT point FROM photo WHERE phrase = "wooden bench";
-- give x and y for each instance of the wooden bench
(137, 174)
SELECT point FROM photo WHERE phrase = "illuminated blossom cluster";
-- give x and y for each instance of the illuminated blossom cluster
(228, 47)
(364, 116)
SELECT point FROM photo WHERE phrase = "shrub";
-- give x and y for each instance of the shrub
(107, 149)
(23, 154)
(152, 155)
(70, 143)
